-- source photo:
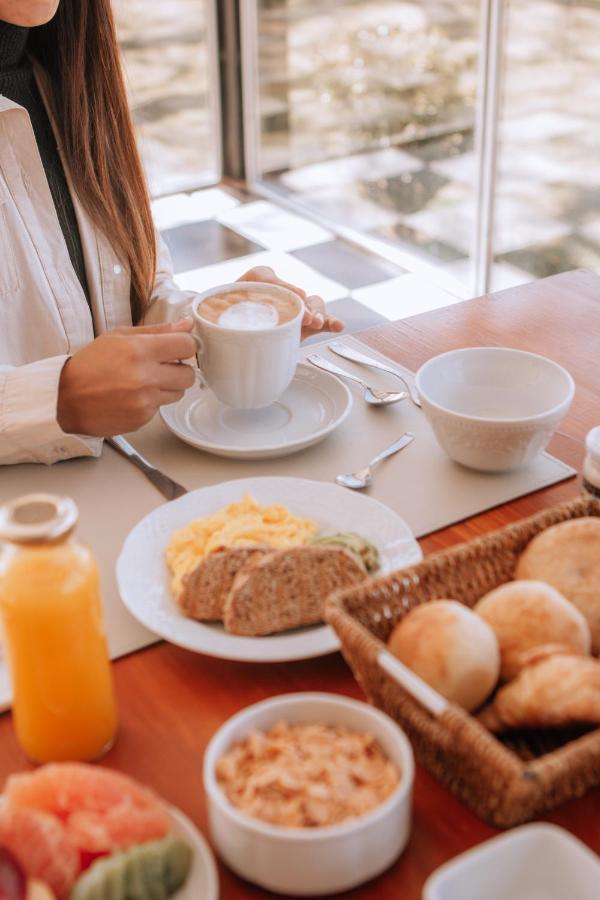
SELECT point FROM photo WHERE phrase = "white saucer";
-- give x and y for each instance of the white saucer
(312, 407)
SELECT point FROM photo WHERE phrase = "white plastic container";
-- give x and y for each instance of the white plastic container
(533, 862)
(311, 861)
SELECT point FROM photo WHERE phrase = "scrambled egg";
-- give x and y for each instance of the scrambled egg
(238, 525)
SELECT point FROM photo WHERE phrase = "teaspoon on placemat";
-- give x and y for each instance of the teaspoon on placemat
(362, 359)
(372, 396)
(362, 479)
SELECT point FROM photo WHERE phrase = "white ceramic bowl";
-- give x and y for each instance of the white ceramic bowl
(493, 408)
(311, 861)
(534, 861)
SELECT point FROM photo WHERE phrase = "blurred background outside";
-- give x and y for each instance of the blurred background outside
(363, 114)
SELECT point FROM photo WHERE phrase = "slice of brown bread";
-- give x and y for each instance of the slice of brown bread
(287, 588)
(205, 589)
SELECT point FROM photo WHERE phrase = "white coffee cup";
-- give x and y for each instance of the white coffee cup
(247, 368)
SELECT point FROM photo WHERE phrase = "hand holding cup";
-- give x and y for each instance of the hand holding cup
(116, 383)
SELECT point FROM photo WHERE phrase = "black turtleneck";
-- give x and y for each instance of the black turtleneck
(18, 84)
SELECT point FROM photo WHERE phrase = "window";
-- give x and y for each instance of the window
(363, 113)
(170, 60)
(451, 136)
(547, 209)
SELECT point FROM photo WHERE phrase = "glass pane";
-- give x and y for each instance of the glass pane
(171, 63)
(547, 217)
(366, 117)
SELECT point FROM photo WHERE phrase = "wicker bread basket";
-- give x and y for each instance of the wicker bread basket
(505, 782)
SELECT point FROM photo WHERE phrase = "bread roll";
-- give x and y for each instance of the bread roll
(567, 556)
(450, 648)
(526, 614)
(554, 691)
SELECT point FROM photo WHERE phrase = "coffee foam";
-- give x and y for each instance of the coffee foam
(249, 316)
(248, 309)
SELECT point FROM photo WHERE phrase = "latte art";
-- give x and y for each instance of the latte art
(249, 316)
(248, 309)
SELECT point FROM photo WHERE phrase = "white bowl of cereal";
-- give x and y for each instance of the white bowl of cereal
(318, 821)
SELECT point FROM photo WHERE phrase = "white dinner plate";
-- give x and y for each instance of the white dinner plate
(143, 577)
(312, 407)
(203, 880)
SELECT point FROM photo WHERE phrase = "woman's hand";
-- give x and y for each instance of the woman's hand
(315, 317)
(117, 383)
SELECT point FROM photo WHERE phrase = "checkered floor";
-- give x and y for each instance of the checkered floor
(215, 235)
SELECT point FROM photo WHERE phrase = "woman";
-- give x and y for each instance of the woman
(86, 291)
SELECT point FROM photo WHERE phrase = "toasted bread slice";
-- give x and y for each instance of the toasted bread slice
(205, 589)
(287, 588)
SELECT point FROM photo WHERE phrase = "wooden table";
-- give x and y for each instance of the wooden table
(171, 701)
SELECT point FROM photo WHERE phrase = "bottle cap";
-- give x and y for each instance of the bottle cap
(592, 443)
(37, 518)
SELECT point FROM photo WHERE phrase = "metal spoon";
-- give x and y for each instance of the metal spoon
(362, 479)
(362, 359)
(372, 396)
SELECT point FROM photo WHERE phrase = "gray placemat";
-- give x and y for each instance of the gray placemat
(420, 483)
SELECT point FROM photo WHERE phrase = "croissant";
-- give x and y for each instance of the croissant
(556, 689)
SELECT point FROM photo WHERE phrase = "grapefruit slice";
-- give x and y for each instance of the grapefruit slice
(102, 810)
(40, 844)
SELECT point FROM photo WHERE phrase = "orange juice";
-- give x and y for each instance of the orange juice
(64, 707)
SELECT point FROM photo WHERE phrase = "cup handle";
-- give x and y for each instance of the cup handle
(199, 374)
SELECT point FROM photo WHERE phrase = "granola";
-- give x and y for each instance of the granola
(307, 776)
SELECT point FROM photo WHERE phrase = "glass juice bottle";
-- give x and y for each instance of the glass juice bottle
(63, 706)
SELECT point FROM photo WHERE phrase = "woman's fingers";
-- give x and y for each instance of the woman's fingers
(166, 397)
(315, 314)
(160, 343)
(186, 324)
(175, 377)
(332, 324)
(291, 287)
(316, 318)
(166, 348)
(182, 325)
(268, 276)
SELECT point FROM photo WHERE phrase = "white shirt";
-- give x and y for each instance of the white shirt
(44, 314)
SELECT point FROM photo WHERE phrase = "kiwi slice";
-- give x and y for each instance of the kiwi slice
(151, 871)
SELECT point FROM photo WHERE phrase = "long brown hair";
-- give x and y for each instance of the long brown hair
(79, 51)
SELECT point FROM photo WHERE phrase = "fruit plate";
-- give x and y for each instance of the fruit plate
(203, 881)
(143, 578)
